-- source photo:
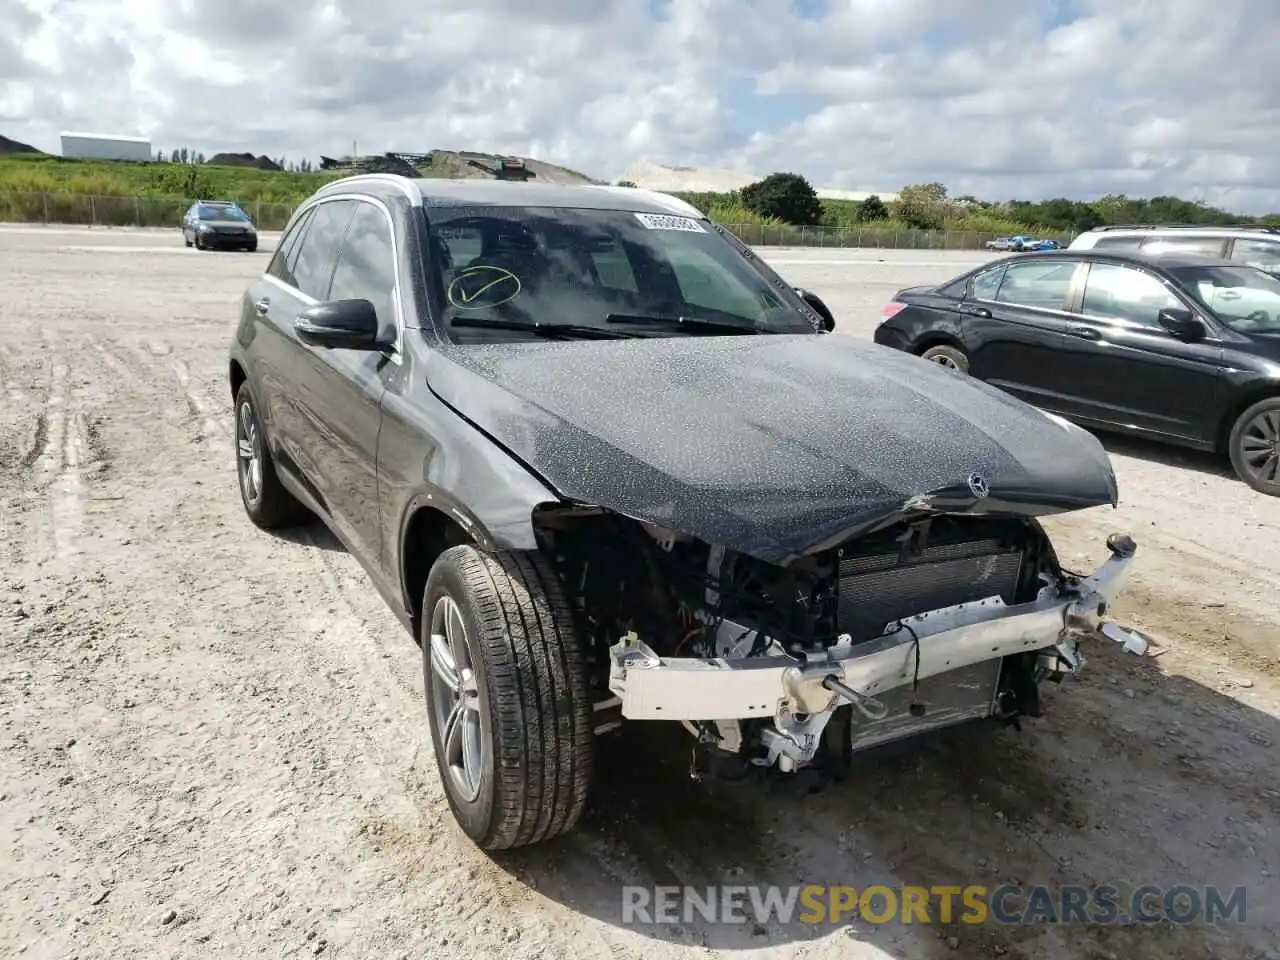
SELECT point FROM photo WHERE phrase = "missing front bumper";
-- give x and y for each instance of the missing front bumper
(800, 694)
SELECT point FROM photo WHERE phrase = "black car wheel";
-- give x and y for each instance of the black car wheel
(507, 698)
(945, 355)
(269, 505)
(1255, 446)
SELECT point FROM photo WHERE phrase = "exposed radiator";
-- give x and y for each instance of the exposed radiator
(879, 589)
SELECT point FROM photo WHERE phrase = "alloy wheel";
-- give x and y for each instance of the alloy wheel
(455, 698)
(943, 360)
(249, 454)
(1260, 446)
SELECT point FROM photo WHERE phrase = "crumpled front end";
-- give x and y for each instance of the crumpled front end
(930, 628)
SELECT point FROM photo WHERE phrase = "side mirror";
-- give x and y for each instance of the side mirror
(821, 309)
(1182, 323)
(344, 324)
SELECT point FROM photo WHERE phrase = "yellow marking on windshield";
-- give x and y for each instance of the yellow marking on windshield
(464, 300)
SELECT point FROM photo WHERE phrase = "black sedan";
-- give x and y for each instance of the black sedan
(219, 225)
(1178, 348)
(606, 466)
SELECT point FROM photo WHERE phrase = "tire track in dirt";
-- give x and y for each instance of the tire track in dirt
(199, 408)
(20, 402)
(67, 454)
(118, 366)
(58, 464)
(9, 376)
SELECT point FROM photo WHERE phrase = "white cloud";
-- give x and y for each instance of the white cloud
(999, 98)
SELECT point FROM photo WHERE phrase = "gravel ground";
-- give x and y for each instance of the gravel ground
(212, 740)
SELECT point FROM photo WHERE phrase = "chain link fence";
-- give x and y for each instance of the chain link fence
(79, 208)
(88, 210)
(891, 238)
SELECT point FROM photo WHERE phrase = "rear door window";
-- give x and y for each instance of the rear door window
(1041, 284)
(319, 248)
(985, 285)
(286, 255)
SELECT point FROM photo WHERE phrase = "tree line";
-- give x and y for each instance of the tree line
(184, 155)
(789, 198)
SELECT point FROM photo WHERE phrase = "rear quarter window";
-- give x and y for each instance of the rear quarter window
(1117, 243)
(1208, 246)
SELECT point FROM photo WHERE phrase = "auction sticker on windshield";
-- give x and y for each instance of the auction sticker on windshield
(660, 221)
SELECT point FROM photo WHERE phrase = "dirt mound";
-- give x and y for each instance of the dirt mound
(243, 160)
(470, 164)
(384, 163)
(16, 146)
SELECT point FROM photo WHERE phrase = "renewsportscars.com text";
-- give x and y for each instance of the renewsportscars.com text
(971, 904)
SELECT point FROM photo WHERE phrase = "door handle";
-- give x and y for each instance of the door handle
(1085, 333)
(975, 311)
(262, 306)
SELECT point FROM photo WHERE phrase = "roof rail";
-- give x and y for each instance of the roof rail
(393, 179)
(1259, 227)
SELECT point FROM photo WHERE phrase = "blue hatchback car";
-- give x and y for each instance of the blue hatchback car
(219, 225)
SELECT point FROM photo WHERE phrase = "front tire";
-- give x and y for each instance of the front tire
(1254, 446)
(945, 355)
(266, 501)
(507, 698)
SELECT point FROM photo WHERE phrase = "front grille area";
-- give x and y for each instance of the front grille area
(878, 588)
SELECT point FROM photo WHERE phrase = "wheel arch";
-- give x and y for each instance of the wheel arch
(1238, 404)
(237, 377)
(433, 522)
(937, 338)
(429, 529)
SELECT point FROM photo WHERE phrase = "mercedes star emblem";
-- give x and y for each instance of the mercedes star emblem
(978, 485)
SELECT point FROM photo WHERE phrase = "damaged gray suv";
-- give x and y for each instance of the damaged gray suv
(607, 467)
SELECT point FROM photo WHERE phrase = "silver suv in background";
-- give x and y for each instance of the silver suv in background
(1257, 246)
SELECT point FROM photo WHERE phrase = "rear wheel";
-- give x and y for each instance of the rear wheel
(507, 698)
(945, 355)
(1255, 446)
(266, 501)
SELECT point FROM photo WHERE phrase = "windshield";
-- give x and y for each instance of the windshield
(1244, 298)
(630, 274)
(220, 211)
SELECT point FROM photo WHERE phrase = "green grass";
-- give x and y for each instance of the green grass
(55, 189)
(36, 174)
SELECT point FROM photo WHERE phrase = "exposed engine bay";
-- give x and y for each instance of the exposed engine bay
(923, 624)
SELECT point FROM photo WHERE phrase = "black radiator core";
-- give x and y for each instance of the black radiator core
(880, 588)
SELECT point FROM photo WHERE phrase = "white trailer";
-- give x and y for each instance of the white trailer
(97, 146)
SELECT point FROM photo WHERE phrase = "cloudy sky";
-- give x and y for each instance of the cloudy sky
(998, 98)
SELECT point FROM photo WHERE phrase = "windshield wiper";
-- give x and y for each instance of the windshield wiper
(561, 331)
(691, 323)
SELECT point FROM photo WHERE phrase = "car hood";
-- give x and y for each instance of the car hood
(772, 445)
